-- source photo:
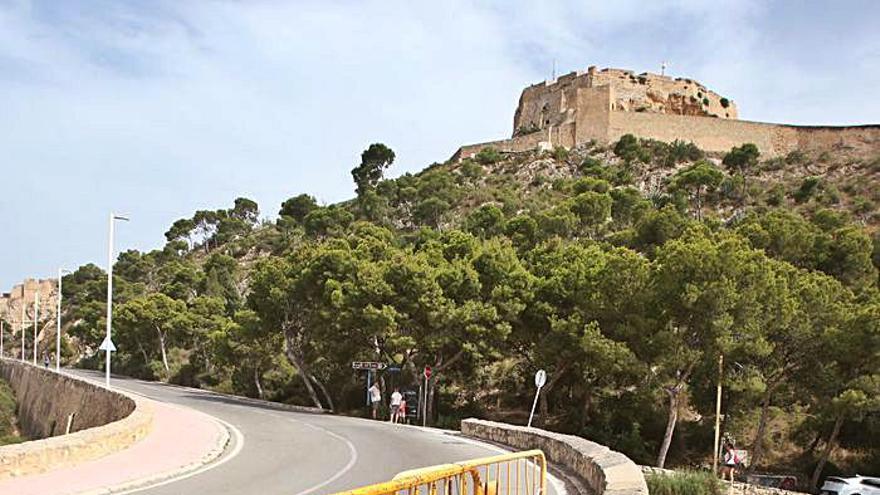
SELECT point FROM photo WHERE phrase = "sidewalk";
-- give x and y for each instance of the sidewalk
(182, 440)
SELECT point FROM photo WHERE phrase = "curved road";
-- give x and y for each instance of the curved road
(294, 453)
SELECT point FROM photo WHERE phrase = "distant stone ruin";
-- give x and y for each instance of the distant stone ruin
(603, 105)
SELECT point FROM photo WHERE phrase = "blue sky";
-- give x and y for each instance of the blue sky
(158, 108)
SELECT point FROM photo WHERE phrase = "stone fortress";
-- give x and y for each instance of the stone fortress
(603, 105)
(17, 311)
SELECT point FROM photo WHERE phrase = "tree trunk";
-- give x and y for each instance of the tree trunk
(670, 425)
(297, 361)
(757, 447)
(257, 382)
(162, 348)
(829, 447)
(323, 391)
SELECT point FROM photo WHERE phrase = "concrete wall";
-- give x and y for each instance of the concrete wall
(605, 471)
(46, 399)
(104, 421)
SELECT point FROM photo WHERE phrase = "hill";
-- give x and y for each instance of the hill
(624, 271)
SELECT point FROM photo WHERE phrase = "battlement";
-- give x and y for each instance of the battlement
(602, 105)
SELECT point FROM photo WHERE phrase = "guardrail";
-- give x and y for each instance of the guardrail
(519, 473)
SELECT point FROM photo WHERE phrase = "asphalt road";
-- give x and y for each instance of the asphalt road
(293, 453)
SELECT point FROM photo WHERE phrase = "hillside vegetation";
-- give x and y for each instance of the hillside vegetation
(625, 272)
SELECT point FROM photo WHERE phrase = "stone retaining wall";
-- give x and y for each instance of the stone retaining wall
(604, 471)
(104, 421)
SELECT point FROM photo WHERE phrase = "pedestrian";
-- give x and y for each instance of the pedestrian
(401, 411)
(45, 360)
(375, 399)
(396, 399)
(728, 469)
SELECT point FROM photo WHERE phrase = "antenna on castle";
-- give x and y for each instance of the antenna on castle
(663, 67)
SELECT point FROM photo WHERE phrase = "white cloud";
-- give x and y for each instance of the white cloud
(160, 108)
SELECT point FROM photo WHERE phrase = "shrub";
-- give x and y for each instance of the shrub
(776, 195)
(725, 102)
(680, 151)
(590, 184)
(807, 189)
(795, 157)
(630, 149)
(742, 158)
(559, 154)
(706, 101)
(488, 156)
(684, 483)
(591, 167)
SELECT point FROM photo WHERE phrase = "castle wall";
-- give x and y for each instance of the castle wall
(594, 114)
(709, 133)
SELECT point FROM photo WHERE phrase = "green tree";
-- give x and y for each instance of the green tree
(700, 178)
(374, 161)
(298, 207)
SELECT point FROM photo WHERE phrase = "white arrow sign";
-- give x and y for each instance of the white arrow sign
(107, 345)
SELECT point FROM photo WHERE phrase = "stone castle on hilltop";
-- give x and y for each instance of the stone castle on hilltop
(603, 105)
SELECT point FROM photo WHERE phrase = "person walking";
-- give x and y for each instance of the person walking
(45, 360)
(375, 399)
(728, 469)
(396, 399)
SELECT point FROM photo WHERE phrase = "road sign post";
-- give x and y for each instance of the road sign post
(427, 375)
(369, 367)
(540, 380)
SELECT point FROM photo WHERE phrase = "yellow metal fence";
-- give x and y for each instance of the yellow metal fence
(519, 473)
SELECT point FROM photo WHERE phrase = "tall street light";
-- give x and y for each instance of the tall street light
(61, 272)
(36, 321)
(23, 328)
(108, 346)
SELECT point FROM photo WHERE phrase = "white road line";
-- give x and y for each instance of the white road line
(353, 455)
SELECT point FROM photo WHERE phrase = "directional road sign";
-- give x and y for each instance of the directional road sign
(368, 365)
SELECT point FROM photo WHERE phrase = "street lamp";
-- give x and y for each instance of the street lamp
(23, 327)
(36, 321)
(107, 345)
(61, 272)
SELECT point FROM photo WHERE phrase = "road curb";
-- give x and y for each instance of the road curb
(216, 451)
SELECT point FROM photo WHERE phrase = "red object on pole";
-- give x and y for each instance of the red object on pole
(427, 372)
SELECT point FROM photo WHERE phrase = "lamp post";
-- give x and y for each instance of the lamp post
(108, 342)
(61, 272)
(718, 414)
(36, 321)
(23, 327)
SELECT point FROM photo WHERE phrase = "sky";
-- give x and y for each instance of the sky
(158, 108)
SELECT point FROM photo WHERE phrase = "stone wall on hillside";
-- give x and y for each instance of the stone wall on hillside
(46, 401)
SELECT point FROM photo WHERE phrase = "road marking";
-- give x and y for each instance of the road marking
(353, 454)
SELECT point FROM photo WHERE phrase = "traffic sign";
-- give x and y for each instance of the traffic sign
(107, 345)
(427, 372)
(368, 365)
(540, 378)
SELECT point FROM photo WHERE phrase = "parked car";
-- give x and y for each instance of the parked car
(854, 485)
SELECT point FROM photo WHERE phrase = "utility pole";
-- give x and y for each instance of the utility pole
(1, 339)
(718, 415)
(22, 329)
(36, 321)
(61, 271)
(107, 345)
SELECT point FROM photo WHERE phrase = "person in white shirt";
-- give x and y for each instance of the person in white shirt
(375, 399)
(396, 397)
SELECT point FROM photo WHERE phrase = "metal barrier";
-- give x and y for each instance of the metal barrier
(519, 473)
